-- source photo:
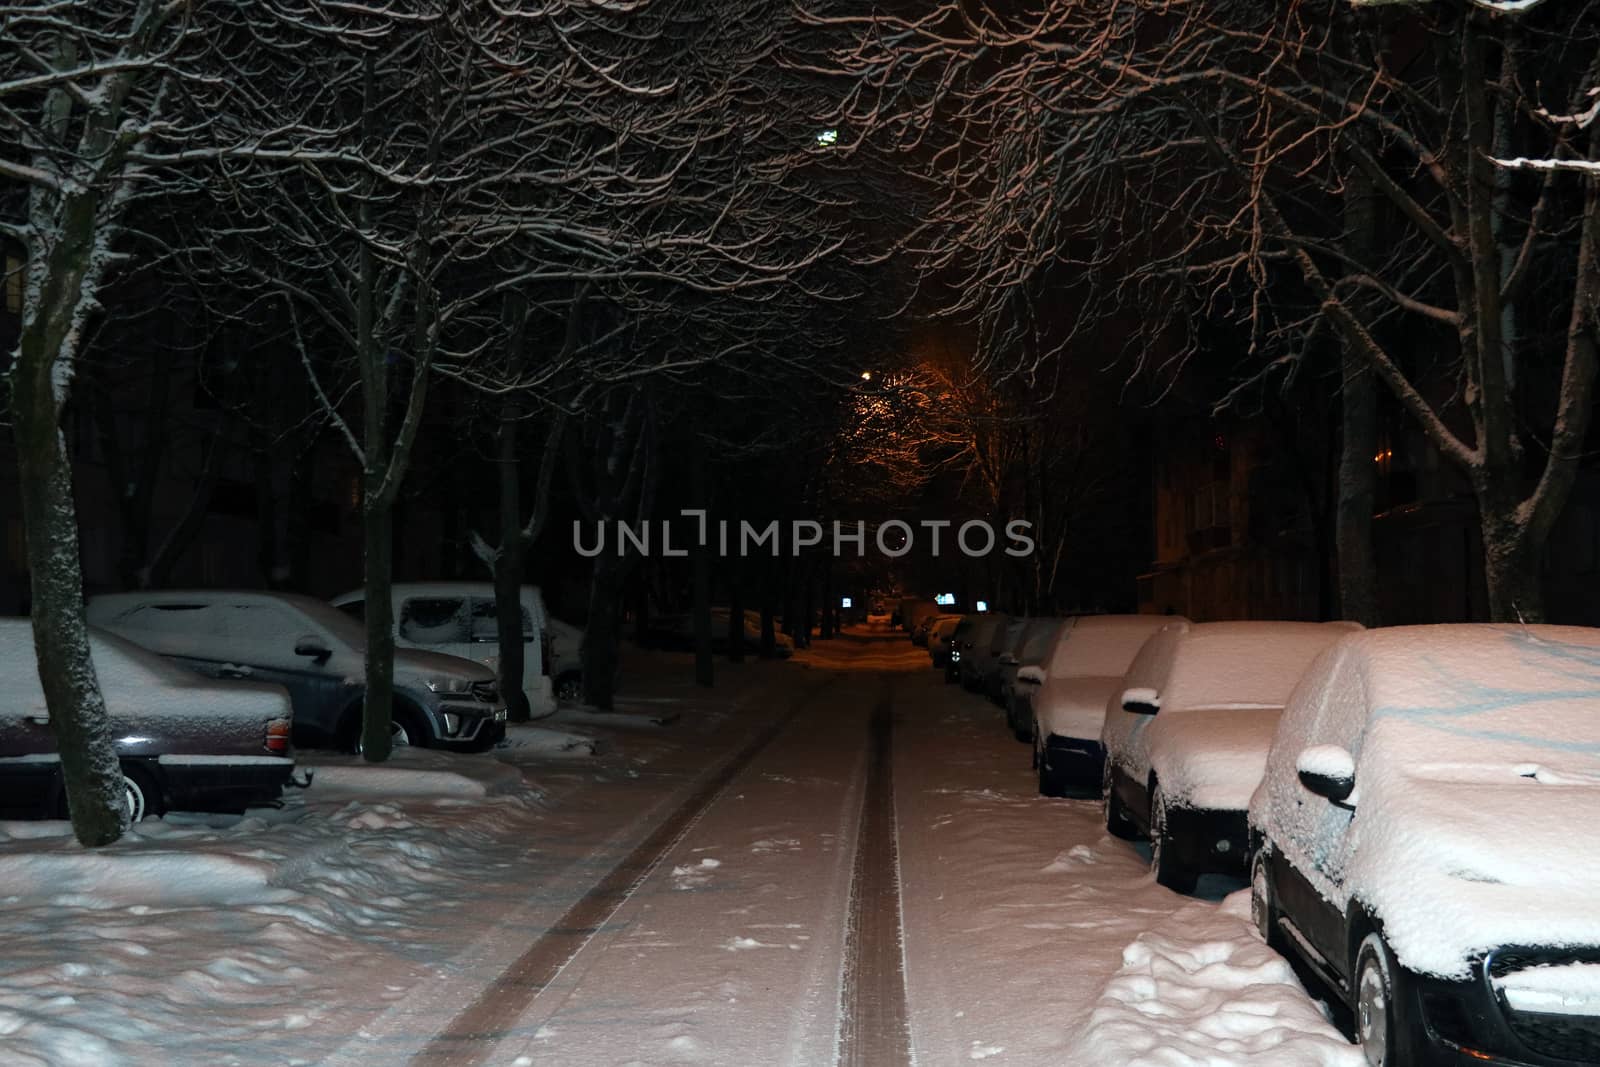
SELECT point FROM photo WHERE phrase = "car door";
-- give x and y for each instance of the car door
(1309, 866)
(262, 639)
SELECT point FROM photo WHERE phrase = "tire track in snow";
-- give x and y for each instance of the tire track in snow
(471, 1037)
(873, 1029)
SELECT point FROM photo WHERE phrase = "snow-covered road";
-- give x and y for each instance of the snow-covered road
(711, 887)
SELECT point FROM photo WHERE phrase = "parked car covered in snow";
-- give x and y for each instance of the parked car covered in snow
(459, 619)
(913, 610)
(318, 654)
(1426, 841)
(1036, 629)
(939, 639)
(980, 655)
(1063, 714)
(185, 743)
(1187, 734)
(956, 646)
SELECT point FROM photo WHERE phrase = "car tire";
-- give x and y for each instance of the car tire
(1050, 781)
(569, 687)
(1387, 1031)
(1163, 852)
(144, 793)
(1020, 729)
(1117, 822)
(1263, 900)
(406, 729)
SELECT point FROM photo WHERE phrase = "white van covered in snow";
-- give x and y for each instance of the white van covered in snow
(458, 619)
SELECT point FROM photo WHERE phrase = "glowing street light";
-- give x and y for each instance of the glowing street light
(827, 138)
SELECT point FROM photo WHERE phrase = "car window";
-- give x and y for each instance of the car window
(356, 609)
(485, 622)
(173, 618)
(435, 620)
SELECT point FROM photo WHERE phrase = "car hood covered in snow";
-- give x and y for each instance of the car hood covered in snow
(1461, 865)
(416, 666)
(1073, 707)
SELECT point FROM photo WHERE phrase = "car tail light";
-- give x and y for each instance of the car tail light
(278, 737)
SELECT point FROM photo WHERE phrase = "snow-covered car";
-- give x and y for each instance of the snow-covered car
(1187, 733)
(1009, 644)
(980, 654)
(460, 619)
(185, 743)
(1426, 841)
(956, 646)
(939, 639)
(318, 654)
(1063, 714)
(922, 632)
(913, 610)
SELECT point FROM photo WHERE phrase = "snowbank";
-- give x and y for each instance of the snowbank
(1200, 991)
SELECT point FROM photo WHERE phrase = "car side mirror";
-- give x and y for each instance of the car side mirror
(314, 648)
(1141, 700)
(1328, 771)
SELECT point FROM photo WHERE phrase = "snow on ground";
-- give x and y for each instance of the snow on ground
(270, 938)
(351, 925)
(1200, 990)
(1032, 937)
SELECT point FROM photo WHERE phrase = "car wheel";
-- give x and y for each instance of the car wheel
(1020, 729)
(1163, 851)
(405, 730)
(1117, 822)
(569, 688)
(1263, 909)
(1050, 779)
(144, 795)
(1388, 1033)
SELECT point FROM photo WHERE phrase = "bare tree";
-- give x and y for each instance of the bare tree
(85, 95)
(1190, 158)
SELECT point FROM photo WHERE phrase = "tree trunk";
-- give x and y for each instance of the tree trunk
(96, 798)
(704, 671)
(600, 638)
(508, 571)
(735, 612)
(1358, 567)
(377, 522)
(769, 634)
(1511, 570)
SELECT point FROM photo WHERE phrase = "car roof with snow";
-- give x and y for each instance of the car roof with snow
(108, 608)
(455, 587)
(1230, 664)
(1469, 691)
(1103, 646)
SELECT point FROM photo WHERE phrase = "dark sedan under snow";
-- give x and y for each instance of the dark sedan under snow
(185, 743)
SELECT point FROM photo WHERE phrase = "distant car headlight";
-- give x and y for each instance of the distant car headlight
(449, 685)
